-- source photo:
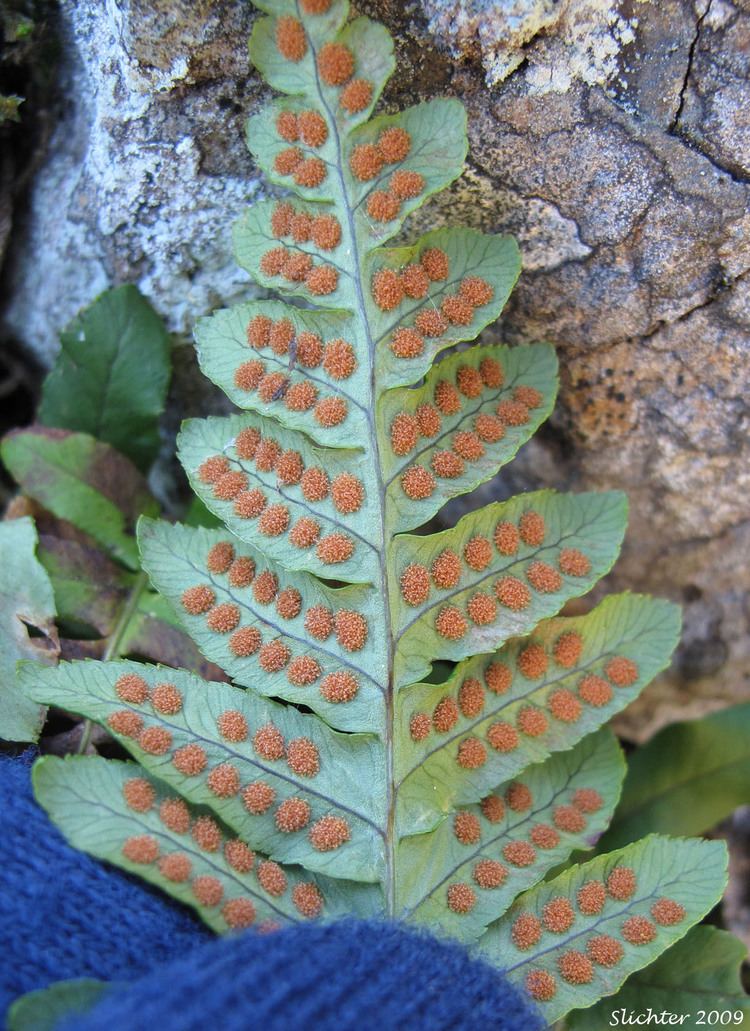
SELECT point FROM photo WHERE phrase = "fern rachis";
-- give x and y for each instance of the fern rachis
(341, 771)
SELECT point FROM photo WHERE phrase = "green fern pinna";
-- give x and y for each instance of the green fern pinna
(410, 728)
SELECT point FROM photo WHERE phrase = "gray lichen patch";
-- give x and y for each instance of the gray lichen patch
(557, 43)
(145, 172)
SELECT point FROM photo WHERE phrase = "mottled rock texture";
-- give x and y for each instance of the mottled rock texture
(611, 137)
(147, 167)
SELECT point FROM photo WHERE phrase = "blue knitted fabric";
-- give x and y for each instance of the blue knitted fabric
(63, 915)
(351, 976)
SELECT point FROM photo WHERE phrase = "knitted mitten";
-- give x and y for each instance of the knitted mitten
(349, 976)
(65, 915)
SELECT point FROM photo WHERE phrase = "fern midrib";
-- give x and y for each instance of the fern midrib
(361, 312)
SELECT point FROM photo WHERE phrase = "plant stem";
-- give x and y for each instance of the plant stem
(112, 650)
(374, 451)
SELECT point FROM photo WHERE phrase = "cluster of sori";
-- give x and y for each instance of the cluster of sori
(518, 665)
(336, 64)
(282, 346)
(594, 898)
(229, 477)
(478, 828)
(468, 414)
(507, 592)
(251, 592)
(181, 847)
(439, 309)
(145, 717)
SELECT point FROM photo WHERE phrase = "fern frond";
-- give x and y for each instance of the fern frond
(341, 752)
(535, 696)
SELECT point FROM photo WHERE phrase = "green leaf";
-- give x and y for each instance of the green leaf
(314, 578)
(479, 846)
(569, 961)
(9, 105)
(557, 547)
(90, 589)
(84, 481)
(177, 559)
(687, 778)
(26, 603)
(468, 424)
(535, 696)
(46, 1008)
(700, 973)
(111, 376)
(87, 798)
(323, 777)
(198, 515)
(357, 532)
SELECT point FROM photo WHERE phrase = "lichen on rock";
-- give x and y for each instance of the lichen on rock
(143, 167)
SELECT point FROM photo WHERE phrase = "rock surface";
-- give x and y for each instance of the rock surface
(611, 137)
(147, 168)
